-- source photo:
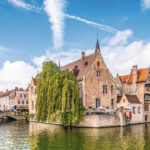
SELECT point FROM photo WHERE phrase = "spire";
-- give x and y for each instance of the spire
(97, 44)
(97, 49)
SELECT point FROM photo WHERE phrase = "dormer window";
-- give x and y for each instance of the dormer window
(98, 63)
(85, 63)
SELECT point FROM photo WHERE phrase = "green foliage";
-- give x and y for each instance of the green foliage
(58, 97)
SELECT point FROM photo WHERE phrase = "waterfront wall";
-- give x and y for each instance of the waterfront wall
(99, 121)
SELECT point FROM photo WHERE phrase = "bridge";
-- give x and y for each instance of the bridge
(12, 115)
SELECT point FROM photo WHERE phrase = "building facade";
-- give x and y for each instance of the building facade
(132, 108)
(32, 96)
(19, 99)
(137, 83)
(97, 86)
(4, 101)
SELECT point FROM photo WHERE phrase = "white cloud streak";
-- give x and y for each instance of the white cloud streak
(145, 4)
(55, 10)
(22, 4)
(100, 26)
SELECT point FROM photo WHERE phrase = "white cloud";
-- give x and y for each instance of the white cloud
(120, 38)
(120, 59)
(100, 26)
(22, 4)
(16, 73)
(55, 11)
(63, 57)
(145, 4)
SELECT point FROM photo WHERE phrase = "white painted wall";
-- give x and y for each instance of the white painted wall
(4, 103)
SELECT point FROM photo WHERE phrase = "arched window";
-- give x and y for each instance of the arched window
(26, 102)
(98, 63)
(22, 102)
(18, 102)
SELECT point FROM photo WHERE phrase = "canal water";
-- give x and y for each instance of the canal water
(35, 136)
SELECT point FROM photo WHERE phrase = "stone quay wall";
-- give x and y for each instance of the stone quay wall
(97, 120)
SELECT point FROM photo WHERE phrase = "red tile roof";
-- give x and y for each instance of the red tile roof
(133, 99)
(80, 63)
(124, 79)
(142, 76)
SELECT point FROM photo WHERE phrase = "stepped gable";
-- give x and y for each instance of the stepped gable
(83, 65)
(35, 81)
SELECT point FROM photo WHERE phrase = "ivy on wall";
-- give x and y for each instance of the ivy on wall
(58, 97)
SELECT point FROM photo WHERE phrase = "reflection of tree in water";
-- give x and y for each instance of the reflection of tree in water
(66, 140)
(128, 138)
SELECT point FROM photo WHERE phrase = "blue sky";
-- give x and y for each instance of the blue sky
(32, 30)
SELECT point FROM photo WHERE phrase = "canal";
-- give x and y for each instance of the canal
(34, 136)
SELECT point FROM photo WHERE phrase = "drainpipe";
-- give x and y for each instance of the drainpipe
(84, 91)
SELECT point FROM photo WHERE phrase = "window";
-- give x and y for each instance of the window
(104, 89)
(148, 88)
(147, 97)
(98, 73)
(112, 103)
(146, 107)
(22, 102)
(98, 63)
(85, 63)
(32, 105)
(25, 96)
(20, 95)
(124, 100)
(139, 110)
(112, 89)
(97, 102)
(26, 102)
(18, 102)
(133, 110)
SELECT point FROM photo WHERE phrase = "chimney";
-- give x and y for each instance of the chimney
(6, 90)
(82, 55)
(134, 79)
(135, 73)
(16, 88)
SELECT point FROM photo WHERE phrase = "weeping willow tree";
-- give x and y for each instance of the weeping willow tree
(58, 97)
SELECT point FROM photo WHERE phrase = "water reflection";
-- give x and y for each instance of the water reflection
(55, 137)
(37, 136)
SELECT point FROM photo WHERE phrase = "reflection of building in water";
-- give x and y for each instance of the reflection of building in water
(132, 137)
(36, 128)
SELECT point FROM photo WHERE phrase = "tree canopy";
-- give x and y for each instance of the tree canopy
(57, 96)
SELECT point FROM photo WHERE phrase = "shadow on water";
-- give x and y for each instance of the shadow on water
(37, 136)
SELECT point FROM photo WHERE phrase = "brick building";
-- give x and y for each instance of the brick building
(32, 96)
(137, 83)
(97, 86)
(19, 99)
